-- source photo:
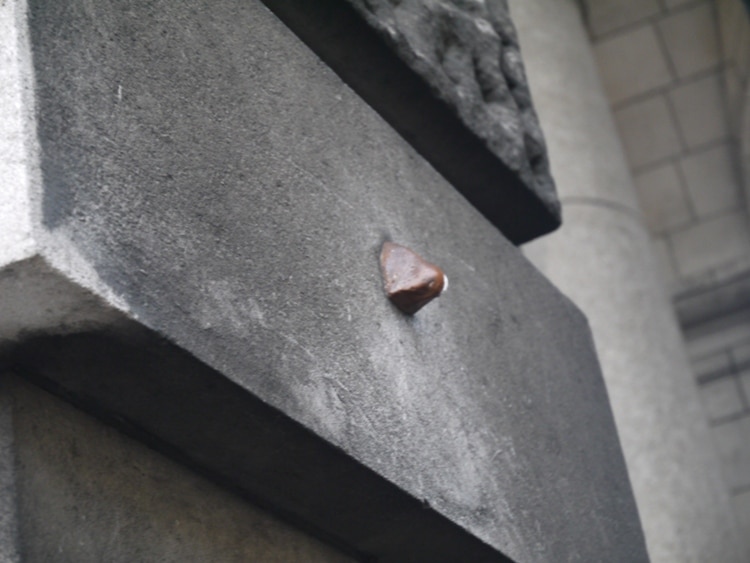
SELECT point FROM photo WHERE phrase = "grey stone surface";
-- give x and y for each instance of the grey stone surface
(448, 77)
(9, 552)
(88, 494)
(211, 178)
(468, 52)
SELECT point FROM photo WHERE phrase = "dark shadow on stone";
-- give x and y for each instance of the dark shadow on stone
(150, 389)
(522, 208)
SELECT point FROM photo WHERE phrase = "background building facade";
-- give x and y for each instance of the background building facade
(674, 76)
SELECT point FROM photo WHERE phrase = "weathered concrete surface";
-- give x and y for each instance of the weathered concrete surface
(89, 494)
(206, 175)
(468, 52)
(448, 77)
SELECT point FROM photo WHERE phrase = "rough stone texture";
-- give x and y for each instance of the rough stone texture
(448, 77)
(9, 552)
(467, 50)
(206, 174)
(89, 494)
(602, 258)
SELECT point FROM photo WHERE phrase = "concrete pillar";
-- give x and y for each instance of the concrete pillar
(602, 259)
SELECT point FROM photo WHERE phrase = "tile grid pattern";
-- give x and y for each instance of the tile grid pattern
(662, 68)
(676, 89)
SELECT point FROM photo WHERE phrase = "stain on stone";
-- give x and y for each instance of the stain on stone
(410, 281)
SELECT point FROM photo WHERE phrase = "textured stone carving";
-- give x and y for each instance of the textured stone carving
(467, 50)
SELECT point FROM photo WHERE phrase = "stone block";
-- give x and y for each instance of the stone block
(631, 63)
(734, 97)
(711, 180)
(699, 106)
(607, 15)
(691, 39)
(730, 14)
(647, 131)
(213, 200)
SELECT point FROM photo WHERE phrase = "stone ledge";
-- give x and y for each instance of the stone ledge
(448, 76)
(229, 196)
(66, 339)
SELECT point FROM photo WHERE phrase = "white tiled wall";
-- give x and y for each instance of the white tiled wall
(674, 70)
(676, 73)
(648, 131)
(712, 184)
(734, 33)
(631, 63)
(662, 67)
(691, 38)
(699, 108)
(608, 15)
(663, 198)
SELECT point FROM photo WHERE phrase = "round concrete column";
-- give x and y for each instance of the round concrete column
(602, 259)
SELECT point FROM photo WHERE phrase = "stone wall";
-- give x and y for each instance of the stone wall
(662, 68)
(88, 493)
(675, 72)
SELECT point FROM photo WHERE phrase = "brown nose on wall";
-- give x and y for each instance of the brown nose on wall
(410, 281)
